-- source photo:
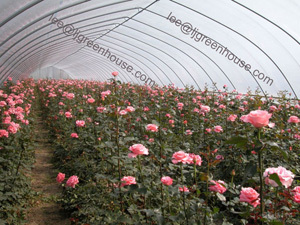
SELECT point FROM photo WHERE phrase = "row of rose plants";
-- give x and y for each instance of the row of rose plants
(16, 149)
(164, 155)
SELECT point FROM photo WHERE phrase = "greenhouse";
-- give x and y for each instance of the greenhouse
(149, 112)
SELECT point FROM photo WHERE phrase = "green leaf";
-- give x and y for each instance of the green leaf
(284, 154)
(142, 190)
(251, 169)
(276, 223)
(221, 197)
(285, 208)
(238, 141)
(276, 178)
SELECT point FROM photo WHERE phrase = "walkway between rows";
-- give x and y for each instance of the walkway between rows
(45, 210)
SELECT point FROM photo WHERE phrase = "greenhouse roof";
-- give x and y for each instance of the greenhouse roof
(241, 43)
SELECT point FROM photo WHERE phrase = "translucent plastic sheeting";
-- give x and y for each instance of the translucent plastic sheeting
(241, 43)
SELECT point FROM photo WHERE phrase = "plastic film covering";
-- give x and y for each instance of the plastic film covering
(241, 43)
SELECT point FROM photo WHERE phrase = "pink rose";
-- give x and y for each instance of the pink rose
(208, 130)
(13, 128)
(180, 105)
(91, 100)
(286, 177)
(137, 149)
(151, 140)
(60, 177)
(70, 96)
(180, 156)
(188, 132)
(232, 118)
(130, 109)
(3, 133)
(171, 121)
(218, 186)
(115, 73)
(74, 135)
(249, 195)
(218, 129)
(123, 112)
(68, 115)
(128, 181)
(273, 108)
(101, 109)
(3, 103)
(258, 118)
(219, 157)
(80, 123)
(152, 127)
(167, 180)
(194, 159)
(293, 119)
(296, 192)
(205, 108)
(72, 181)
(185, 189)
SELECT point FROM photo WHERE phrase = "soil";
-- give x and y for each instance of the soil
(45, 210)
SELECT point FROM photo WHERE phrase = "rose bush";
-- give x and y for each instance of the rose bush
(17, 106)
(195, 140)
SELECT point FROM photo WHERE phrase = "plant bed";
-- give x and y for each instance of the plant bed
(132, 154)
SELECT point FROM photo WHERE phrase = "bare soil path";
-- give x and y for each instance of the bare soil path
(45, 210)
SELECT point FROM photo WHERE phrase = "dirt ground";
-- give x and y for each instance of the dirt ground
(45, 210)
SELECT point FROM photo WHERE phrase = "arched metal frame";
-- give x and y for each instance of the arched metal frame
(138, 31)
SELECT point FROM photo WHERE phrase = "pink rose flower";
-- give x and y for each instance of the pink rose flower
(188, 132)
(249, 195)
(123, 112)
(104, 94)
(115, 73)
(218, 186)
(100, 109)
(72, 181)
(3, 103)
(80, 123)
(13, 128)
(4, 133)
(258, 118)
(74, 135)
(137, 149)
(293, 119)
(185, 189)
(152, 127)
(180, 156)
(171, 121)
(91, 100)
(273, 108)
(208, 130)
(296, 196)
(68, 115)
(60, 177)
(205, 108)
(194, 159)
(128, 181)
(232, 118)
(167, 180)
(70, 96)
(286, 177)
(218, 129)
(219, 157)
(130, 109)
